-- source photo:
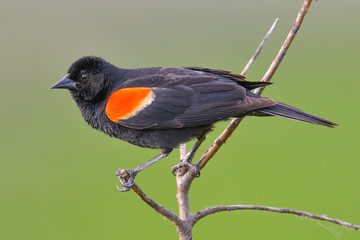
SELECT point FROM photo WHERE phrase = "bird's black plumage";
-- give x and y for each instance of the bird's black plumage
(184, 102)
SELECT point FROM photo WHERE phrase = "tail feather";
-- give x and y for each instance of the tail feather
(286, 111)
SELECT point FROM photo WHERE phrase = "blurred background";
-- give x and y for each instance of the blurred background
(57, 175)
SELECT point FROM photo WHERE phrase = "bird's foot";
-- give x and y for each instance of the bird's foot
(184, 167)
(126, 178)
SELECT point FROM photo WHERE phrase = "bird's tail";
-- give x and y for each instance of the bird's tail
(286, 111)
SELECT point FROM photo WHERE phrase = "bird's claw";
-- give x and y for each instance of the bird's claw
(126, 178)
(184, 167)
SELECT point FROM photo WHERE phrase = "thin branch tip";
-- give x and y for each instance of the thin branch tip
(222, 208)
(168, 214)
(258, 50)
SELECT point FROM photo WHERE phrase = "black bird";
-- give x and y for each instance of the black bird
(164, 107)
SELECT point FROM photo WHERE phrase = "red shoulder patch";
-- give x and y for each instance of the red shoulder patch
(127, 102)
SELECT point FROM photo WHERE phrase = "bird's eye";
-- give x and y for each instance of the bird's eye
(84, 76)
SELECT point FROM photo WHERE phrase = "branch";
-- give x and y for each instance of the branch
(154, 205)
(268, 75)
(219, 141)
(184, 178)
(246, 68)
(211, 210)
(284, 48)
(182, 148)
(157, 207)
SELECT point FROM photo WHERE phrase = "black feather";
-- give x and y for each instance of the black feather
(286, 111)
(236, 77)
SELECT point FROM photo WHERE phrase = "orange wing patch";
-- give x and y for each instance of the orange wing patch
(127, 102)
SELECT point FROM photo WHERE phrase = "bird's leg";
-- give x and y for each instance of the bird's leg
(126, 177)
(186, 161)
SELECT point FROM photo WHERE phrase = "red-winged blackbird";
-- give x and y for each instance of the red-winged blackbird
(164, 107)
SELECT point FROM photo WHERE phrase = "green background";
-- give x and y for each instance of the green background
(57, 174)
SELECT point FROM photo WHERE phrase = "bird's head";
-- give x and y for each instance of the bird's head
(85, 78)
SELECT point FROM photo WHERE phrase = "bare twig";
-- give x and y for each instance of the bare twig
(287, 43)
(190, 155)
(211, 210)
(184, 178)
(219, 141)
(250, 62)
(157, 207)
(184, 222)
(268, 75)
(182, 148)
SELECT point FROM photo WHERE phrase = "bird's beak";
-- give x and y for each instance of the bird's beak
(66, 83)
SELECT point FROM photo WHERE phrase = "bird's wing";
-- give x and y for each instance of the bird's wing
(233, 76)
(184, 101)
